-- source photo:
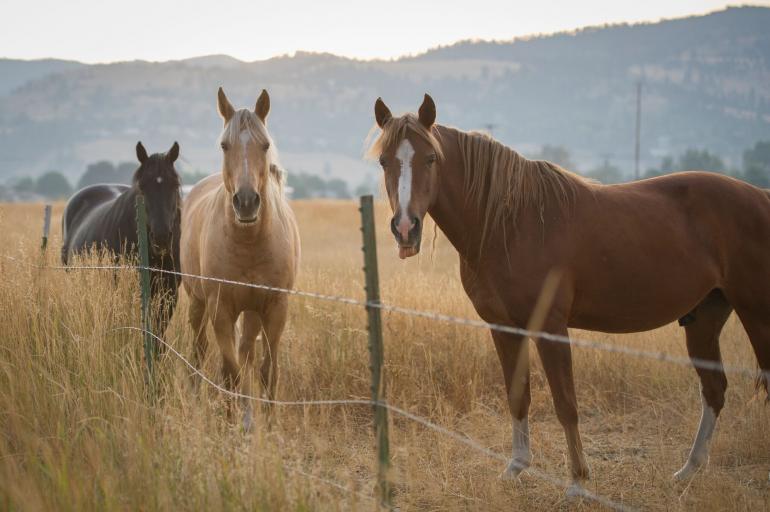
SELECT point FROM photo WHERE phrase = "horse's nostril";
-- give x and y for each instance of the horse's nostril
(415, 223)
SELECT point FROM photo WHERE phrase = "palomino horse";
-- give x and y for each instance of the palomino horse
(104, 217)
(691, 246)
(238, 226)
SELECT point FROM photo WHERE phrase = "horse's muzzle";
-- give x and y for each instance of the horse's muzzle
(408, 234)
(246, 205)
(160, 243)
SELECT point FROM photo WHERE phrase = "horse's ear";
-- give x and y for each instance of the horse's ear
(427, 112)
(263, 105)
(381, 113)
(224, 107)
(173, 153)
(141, 153)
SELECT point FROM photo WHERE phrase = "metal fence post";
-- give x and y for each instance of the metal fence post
(372, 288)
(150, 347)
(46, 227)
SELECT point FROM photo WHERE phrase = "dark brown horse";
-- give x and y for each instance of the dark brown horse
(690, 246)
(103, 216)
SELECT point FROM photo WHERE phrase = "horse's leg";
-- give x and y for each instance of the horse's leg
(756, 321)
(274, 320)
(197, 316)
(224, 331)
(252, 326)
(169, 295)
(557, 363)
(167, 299)
(514, 358)
(702, 333)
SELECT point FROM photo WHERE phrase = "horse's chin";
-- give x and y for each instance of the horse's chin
(245, 223)
(405, 252)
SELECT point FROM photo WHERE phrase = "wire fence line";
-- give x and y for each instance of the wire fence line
(706, 364)
(573, 489)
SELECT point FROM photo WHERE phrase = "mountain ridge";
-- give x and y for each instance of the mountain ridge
(706, 84)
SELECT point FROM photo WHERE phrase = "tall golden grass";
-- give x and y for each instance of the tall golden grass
(78, 432)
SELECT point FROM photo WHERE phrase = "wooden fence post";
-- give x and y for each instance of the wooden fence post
(372, 288)
(46, 227)
(150, 346)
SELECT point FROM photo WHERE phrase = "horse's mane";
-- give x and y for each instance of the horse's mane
(246, 120)
(498, 180)
(502, 183)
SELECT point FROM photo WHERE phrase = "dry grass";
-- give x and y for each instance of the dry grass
(78, 433)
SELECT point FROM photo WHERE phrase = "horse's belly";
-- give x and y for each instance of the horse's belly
(635, 309)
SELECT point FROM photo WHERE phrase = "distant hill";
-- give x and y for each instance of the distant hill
(706, 84)
(15, 73)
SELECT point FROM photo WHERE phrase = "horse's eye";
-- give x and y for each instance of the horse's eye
(383, 161)
(431, 159)
(224, 146)
(266, 146)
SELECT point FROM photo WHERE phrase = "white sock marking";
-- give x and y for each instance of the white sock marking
(699, 453)
(700, 447)
(521, 456)
(521, 451)
(405, 153)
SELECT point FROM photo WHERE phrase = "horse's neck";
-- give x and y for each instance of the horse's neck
(122, 215)
(458, 218)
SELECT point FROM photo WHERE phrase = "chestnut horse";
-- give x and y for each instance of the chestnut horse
(690, 246)
(238, 226)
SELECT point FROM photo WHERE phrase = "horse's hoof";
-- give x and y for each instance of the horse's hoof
(688, 470)
(514, 469)
(685, 473)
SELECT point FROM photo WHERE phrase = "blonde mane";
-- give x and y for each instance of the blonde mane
(246, 120)
(499, 182)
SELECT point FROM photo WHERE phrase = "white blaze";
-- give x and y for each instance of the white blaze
(245, 137)
(405, 153)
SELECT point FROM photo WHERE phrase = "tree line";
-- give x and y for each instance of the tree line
(755, 168)
(53, 185)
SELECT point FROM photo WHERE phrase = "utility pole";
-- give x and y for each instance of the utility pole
(638, 127)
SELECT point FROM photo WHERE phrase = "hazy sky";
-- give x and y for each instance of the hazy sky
(105, 30)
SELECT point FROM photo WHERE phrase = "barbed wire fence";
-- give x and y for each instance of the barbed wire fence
(378, 401)
(440, 317)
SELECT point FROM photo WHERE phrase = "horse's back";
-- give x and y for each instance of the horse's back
(716, 202)
(671, 239)
(79, 214)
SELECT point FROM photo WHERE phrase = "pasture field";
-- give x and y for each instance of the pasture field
(77, 431)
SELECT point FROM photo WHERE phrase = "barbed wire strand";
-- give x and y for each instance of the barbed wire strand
(706, 364)
(573, 489)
